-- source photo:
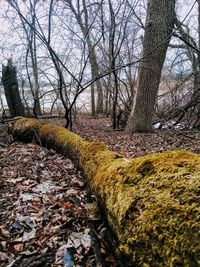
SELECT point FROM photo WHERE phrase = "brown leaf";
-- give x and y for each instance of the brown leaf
(19, 247)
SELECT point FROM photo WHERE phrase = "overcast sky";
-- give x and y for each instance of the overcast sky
(12, 40)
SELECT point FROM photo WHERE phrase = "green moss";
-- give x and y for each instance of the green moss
(152, 204)
(161, 227)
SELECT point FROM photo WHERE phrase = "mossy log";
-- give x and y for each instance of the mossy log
(152, 202)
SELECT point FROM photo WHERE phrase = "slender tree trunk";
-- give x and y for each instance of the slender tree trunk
(92, 101)
(196, 96)
(112, 59)
(198, 67)
(197, 74)
(95, 73)
(159, 26)
(83, 21)
(33, 50)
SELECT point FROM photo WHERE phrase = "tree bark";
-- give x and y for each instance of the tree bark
(95, 73)
(155, 222)
(159, 26)
(197, 78)
(32, 48)
(93, 110)
(10, 83)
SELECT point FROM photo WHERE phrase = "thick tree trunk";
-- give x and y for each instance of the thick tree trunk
(150, 202)
(159, 26)
(10, 83)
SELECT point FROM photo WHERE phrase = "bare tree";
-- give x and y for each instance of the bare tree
(106, 39)
(31, 50)
(188, 111)
(82, 17)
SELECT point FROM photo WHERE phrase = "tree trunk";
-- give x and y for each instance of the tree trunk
(10, 83)
(82, 17)
(33, 51)
(197, 79)
(155, 223)
(159, 26)
(93, 110)
(112, 59)
(95, 73)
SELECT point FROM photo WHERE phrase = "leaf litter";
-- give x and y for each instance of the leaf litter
(47, 215)
(135, 144)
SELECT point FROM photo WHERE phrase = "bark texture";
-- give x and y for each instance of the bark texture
(10, 83)
(159, 26)
(151, 202)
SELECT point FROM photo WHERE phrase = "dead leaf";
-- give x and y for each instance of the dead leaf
(28, 235)
(3, 256)
(19, 247)
(77, 239)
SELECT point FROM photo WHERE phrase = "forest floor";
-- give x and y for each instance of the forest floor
(136, 144)
(48, 216)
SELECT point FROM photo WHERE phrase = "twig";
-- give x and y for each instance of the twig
(2, 144)
(49, 116)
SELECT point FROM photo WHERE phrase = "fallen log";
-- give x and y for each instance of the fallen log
(152, 203)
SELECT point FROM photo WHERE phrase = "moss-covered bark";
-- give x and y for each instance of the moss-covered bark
(152, 203)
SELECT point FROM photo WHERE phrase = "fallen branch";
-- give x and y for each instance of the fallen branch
(11, 119)
(150, 202)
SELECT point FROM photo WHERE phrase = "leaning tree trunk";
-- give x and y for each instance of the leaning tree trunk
(150, 202)
(159, 26)
(10, 83)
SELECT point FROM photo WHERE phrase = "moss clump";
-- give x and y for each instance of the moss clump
(161, 227)
(151, 202)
